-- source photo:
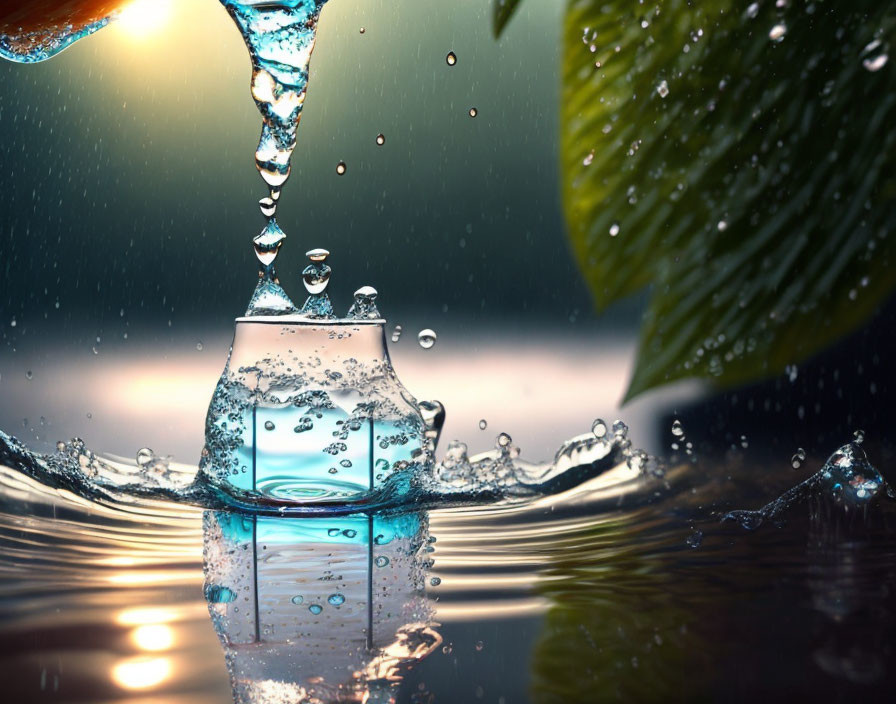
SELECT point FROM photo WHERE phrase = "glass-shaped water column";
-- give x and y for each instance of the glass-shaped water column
(312, 411)
(317, 609)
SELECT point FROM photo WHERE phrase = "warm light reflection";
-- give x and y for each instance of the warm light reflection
(144, 17)
(145, 616)
(141, 673)
(153, 637)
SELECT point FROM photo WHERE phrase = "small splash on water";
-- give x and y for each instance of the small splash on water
(847, 480)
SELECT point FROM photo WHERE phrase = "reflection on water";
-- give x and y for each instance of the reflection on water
(318, 609)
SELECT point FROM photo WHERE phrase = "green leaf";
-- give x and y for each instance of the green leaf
(755, 198)
(502, 11)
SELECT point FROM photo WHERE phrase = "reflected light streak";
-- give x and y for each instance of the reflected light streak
(153, 637)
(141, 673)
(146, 616)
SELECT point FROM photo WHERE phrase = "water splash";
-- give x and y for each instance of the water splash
(847, 480)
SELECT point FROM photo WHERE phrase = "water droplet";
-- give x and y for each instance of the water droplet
(315, 609)
(349, 533)
(268, 206)
(305, 423)
(435, 581)
(614, 229)
(269, 425)
(362, 30)
(451, 59)
(695, 539)
(589, 158)
(776, 33)
(620, 429)
(297, 599)
(677, 429)
(743, 441)
(29, 374)
(503, 440)
(199, 346)
(333, 532)
(381, 561)
(599, 428)
(267, 243)
(341, 168)
(859, 437)
(663, 89)
(381, 139)
(427, 338)
(473, 112)
(479, 645)
(722, 226)
(396, 333)
(753, 10)
(872, 60)
(483, 424)
(336, 599)
(144, 456)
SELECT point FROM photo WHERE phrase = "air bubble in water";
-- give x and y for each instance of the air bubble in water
(451, 59)
(663, 89)
(341, 168)
(599, 428)
(144, 456)
(859, 436)
(427, 338)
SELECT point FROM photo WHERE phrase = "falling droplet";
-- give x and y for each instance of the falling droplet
(614, 229)
(199, 346)
(336, 599)
(396, 333)
(451, 59)
(503, 440)
(677, 429)
(381, 139)
(427, 338)
(859, 437)
(599, 428)
(144, 456)
(268, 425)
(483, 424)
(776, 33)
(340, 168)
(473, 112)
(873, 62)
(268, 207)
(663, 89)
(798, 458)
(267, 242)
(362, 30)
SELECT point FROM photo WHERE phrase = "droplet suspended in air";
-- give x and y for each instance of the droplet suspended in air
(396, 333)
(872, 60)
(381, 139)
(859, 437)
(435, 581)
(614, 229)
(268, 206)
(144, 456)
(776, 33)
(677, 429)
(362, 30)
(798, 458)
(483, 424)
(473, 112)
(341, 168)
(269, 425)
(427, 338)
(199, 347)
(663, 89)
(599, 428)
(503, 440)
(451, 59)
